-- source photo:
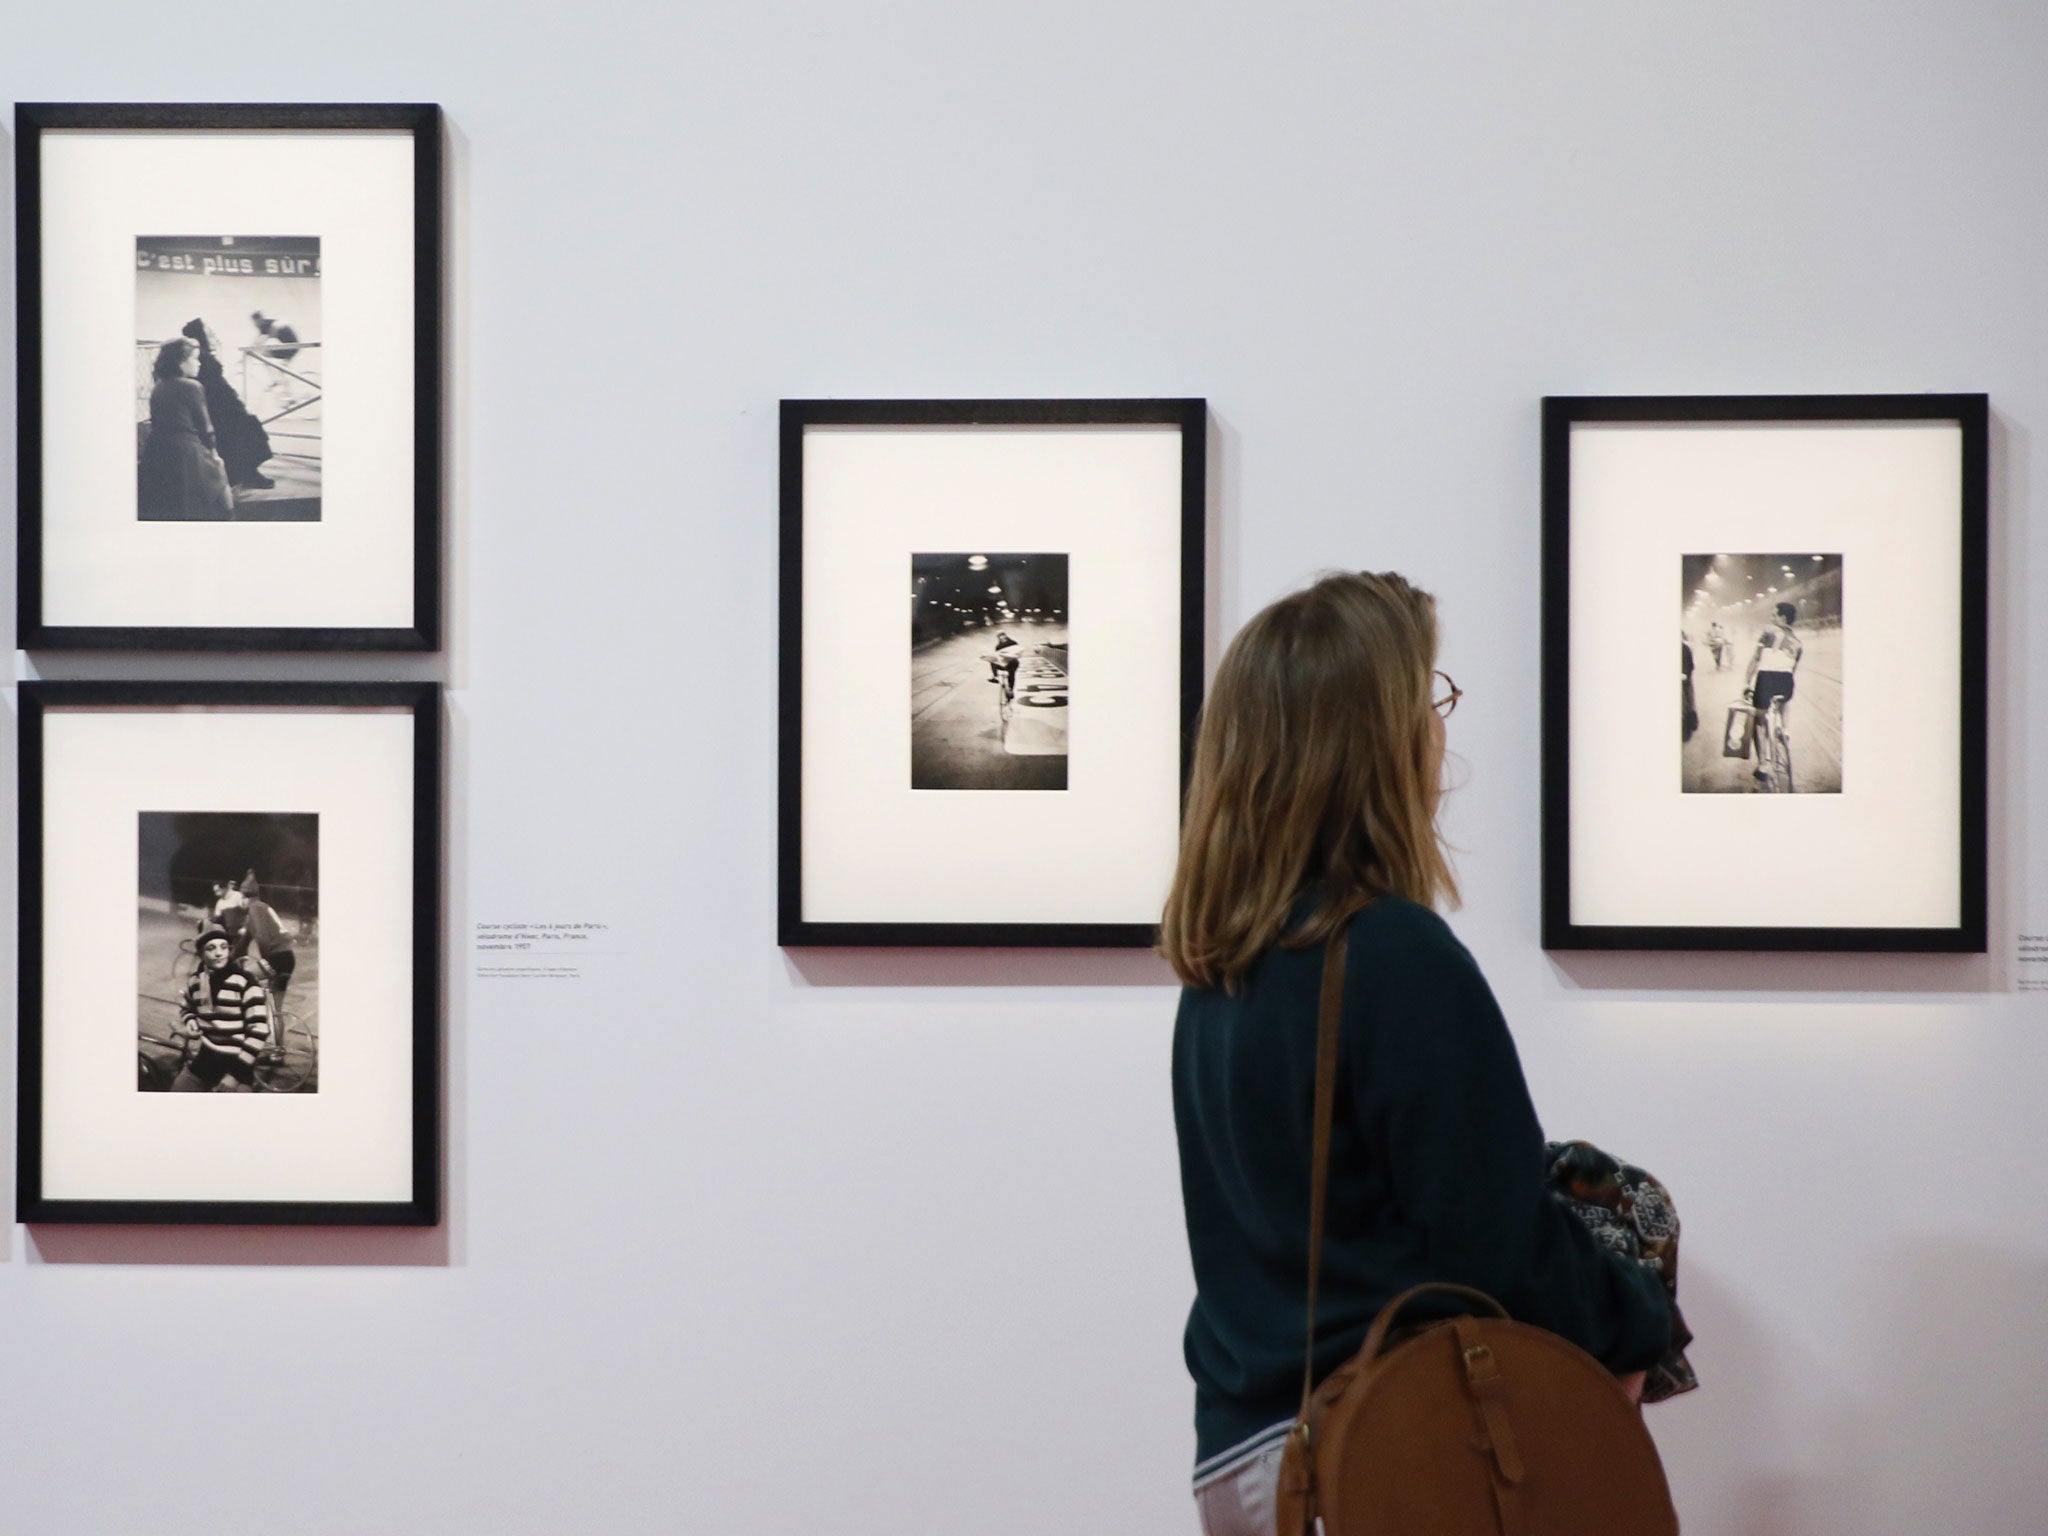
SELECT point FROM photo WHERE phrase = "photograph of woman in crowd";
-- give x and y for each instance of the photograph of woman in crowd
(180, 476)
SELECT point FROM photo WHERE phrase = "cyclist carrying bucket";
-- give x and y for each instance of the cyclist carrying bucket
(1771, 670)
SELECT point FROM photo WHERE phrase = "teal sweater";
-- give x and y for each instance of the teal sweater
(1436, 1173)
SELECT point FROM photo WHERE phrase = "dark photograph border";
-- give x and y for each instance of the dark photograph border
(1971, 413)
(424, 122)
(1191, 416)
(423, 1206)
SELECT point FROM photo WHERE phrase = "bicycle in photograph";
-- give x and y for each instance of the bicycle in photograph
(1005, 668)
(1773, 748)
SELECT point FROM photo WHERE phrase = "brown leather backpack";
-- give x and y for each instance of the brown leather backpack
(1474, 1426)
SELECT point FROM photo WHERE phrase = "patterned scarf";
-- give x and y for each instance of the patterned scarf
(1632, 1215)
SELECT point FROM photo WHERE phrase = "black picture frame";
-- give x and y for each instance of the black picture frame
(423, 121)
(1190, 417)
(422, 1206)
(1969, 414)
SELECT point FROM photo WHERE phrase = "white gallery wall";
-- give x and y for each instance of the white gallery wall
(744, 1241)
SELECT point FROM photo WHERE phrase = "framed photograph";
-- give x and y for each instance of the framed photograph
(999, 760)
(230, 891)
(229, 377)
(1811, 776)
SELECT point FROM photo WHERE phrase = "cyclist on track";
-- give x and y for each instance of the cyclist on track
(1717, 642)
(262, 942)
(1002, 661)
(226, 1012)
(1771, 670)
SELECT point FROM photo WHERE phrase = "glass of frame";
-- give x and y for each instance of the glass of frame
(999, 760)
(1811, 776)
(255, 927)
(230, 355)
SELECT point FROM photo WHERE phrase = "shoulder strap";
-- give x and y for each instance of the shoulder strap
(1327, 1017)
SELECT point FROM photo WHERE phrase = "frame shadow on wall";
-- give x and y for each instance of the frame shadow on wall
(1660, 973)
(298, 1247)
(1065, 967)
(298, 1235)
(310, 1246)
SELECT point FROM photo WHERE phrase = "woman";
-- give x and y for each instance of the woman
(1313, 804)
(181, 477)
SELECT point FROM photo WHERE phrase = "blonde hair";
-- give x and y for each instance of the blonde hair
(1315, 767)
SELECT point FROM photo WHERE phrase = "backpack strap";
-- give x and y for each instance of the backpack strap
(1327, 1018)
(1328, 1013)
(1383, 1325)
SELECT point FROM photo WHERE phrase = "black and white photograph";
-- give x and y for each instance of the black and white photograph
(989, 671)
(1005, 519)
(190, 280)
(1762, 670)
(228, 387)
(229, 889)
(227, 922)
(1817, 790)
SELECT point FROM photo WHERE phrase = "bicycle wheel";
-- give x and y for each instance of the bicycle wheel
(286, 1066)
(151, 1075)
(183, 964)
(276, 1072)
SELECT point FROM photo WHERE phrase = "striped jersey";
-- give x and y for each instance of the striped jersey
(231, 1010)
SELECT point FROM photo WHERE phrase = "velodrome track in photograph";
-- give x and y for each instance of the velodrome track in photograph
(957, 737)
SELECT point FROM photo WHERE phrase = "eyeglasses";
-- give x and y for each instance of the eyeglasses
(1446, 701)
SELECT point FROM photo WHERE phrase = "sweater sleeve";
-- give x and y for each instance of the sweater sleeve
(1435, 1073)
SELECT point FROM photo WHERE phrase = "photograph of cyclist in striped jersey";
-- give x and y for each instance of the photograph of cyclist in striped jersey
(228, 981)
(1773, 714)
(225, 1014)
